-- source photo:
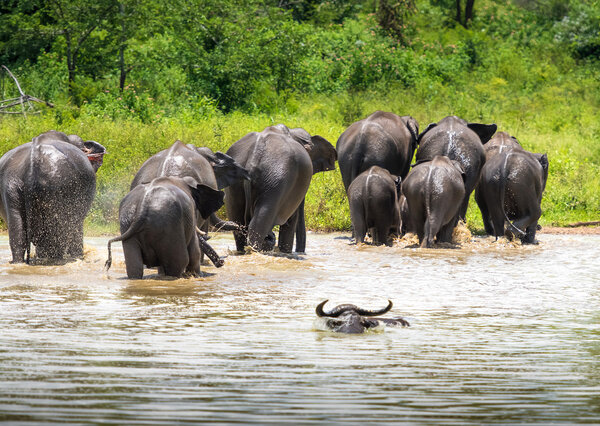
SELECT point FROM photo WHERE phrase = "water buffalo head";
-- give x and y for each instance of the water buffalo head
(348, 318)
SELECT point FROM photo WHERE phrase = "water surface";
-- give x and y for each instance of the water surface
(499, 334)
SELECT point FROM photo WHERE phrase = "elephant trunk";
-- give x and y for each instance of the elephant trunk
(209, 251)
(340, 309)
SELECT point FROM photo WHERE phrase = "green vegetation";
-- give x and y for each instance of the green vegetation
(209, 72)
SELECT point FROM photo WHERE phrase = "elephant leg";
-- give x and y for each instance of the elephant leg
(261, 224)
(74, 241)
(485, 214)
(300, 230)
(430, 230)
(444, 235)
(17, 236)
(528, 224)
(194, 258)
(286, 233)
(462, 211)
(134, 263)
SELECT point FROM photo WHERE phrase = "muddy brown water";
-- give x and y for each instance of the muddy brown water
(499, 333)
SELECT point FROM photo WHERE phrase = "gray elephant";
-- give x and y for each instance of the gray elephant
(159, 227)
(434, 191)
(510, 192)
(351, 319)
(216, 170)
(281, 162)
(374, 206)
(46, 189)
(501, 142)
(382, 139)
(461, 141)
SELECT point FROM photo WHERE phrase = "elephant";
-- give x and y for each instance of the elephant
(351, 319)
(434, 190)
(281, 162)
(461, 141)
(382, 139)
(501, 142)
(510, 189)
(216, 170)
(159, 227)
(374, 206)
(46, 190)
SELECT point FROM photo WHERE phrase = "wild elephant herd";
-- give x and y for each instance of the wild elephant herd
(47, 187)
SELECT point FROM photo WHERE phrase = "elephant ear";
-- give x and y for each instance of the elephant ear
(227, 171)
(398, 183)
(413, 128)
(484, 131)
(428, 128)
(543, 159)
(322, 154)
(207, 200)
(460, 169)
(303, 137)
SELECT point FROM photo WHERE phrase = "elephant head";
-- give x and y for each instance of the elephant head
(92, 149)
(348, 318)
(227, 171)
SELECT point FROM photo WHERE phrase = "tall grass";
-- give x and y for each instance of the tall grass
(566, 130)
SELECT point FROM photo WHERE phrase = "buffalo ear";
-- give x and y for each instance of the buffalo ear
(484, 131)
(207, 200)
(428, 128)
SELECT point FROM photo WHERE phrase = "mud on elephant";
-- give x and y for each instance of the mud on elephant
(433, 191)
(46, 189)
(281, 163)
(510, 191)
(382, 139)
(216, 170)
(159, 227)
(461, 141)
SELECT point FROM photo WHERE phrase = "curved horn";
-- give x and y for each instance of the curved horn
(319, 309)
(365, 312)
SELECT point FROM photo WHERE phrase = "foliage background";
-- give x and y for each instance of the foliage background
(137, 75)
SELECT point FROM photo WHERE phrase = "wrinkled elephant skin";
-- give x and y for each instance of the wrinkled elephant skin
(46, 189)
(434, 191)
(374, 207)
(510, 192)
(159, 227)
(382, 139)
(281, 162)
(460, 141)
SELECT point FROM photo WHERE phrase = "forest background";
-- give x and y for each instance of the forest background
(137, 75)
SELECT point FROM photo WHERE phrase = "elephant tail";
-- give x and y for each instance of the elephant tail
(133, 229)
(32, 177)
(503, 179)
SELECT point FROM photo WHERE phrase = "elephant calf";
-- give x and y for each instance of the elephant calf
(434, 191)
(159, 226)
(510, 189)
(351, 319)
(373, 198)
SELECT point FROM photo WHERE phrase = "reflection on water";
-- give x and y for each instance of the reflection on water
(499, 333)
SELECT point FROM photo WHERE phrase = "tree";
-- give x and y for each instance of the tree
(393, 14)
(75, 21)
(468, 15)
